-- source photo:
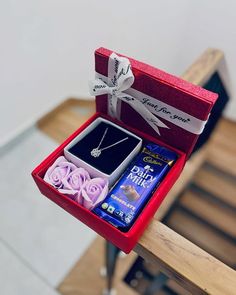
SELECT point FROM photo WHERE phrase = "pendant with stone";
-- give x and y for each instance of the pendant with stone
(96, 152)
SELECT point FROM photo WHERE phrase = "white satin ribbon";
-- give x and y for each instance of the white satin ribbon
(118, 87)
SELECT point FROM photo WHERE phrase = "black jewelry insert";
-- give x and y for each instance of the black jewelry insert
(110, 158)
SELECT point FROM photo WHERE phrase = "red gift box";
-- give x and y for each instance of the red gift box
(180, 105)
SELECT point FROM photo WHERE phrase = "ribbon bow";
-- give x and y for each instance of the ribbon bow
(120, 78)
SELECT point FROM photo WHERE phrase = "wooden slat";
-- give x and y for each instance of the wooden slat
(221, 217)
(219, 158)
(204, 67)
(203, 235)
(222, 147)
(187, 174)
(217, 184)
(225, 133)
(189, 265)
(66, 118)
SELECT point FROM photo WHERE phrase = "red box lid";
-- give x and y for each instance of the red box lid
(193, 100)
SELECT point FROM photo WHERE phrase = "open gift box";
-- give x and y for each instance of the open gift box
(158, 108)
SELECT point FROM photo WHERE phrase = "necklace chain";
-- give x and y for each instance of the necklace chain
(109, 146)
(96, 152)
(104, 134)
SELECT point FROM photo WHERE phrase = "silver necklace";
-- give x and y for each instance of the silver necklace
(96, 152)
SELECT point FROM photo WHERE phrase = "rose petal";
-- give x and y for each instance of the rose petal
(94, 192)
(76, 179)
(57, 176)
(59, 169)
(79, 198)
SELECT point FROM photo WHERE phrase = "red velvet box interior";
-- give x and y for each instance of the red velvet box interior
(170, 89)
(125, 241)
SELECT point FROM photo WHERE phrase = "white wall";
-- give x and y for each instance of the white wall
(46, 52)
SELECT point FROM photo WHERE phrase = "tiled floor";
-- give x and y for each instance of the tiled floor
(17, 278)
(39, 242)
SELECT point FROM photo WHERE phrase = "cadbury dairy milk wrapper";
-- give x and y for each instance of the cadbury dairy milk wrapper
(131, 193)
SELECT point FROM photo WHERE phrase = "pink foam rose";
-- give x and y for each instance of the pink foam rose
(60, 169)
(94, 192)
(73, 183)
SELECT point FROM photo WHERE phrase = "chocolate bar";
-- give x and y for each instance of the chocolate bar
(131, 193)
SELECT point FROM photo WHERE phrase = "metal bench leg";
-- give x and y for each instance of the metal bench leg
(156, 285)
(111, 255)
